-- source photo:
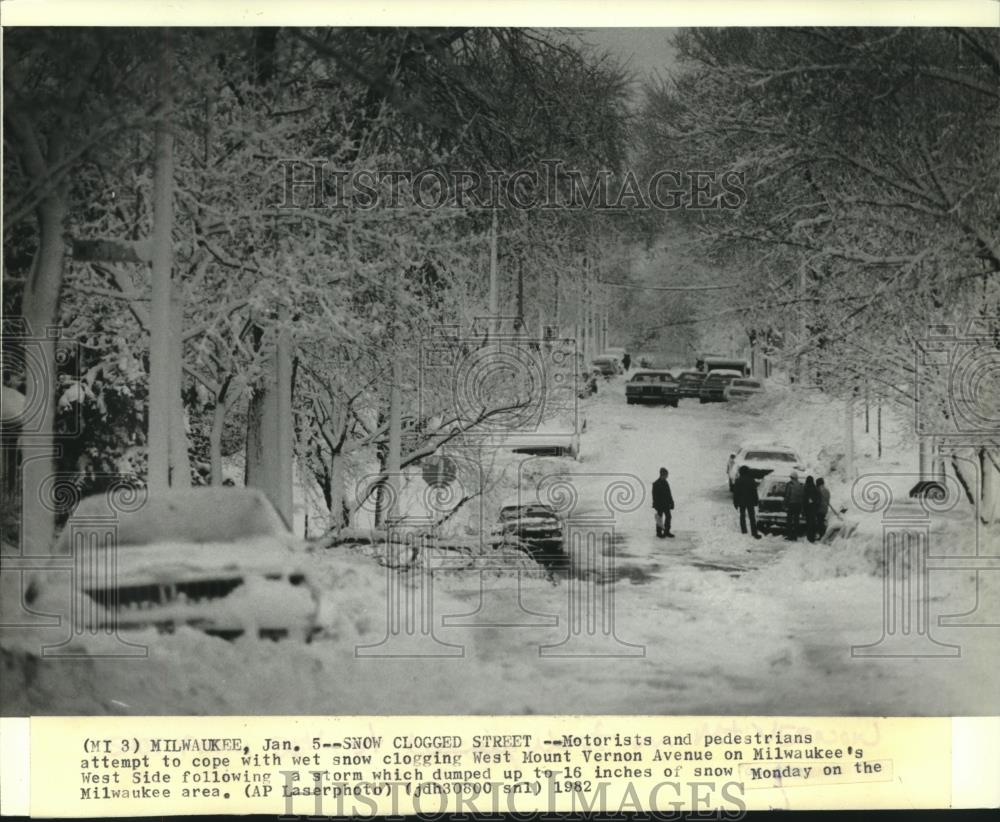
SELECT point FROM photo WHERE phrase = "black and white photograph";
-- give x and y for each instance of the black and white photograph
(501, 370)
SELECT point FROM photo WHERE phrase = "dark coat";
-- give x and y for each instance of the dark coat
(745, 491)
(794, 494)
(663, 500)
(822, 501)
(811, 497)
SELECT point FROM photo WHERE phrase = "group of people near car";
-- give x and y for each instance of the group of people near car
(804, 504)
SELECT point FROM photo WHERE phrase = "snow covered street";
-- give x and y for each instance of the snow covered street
(709, 622)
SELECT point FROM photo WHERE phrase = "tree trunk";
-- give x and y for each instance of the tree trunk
(991, 487)
(40, 306)
(180, 463)
(380, 492)
(336, 502)
(161, 350)
(215, 441)
(394, 453)
(270, 432)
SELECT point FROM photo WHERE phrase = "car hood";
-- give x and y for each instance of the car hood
(530, 520)
(165, 562)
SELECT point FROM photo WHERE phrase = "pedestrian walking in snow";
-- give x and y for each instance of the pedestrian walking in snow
(822, 507)
(663, 504)
(810, 503)
(745, 499)
(626, 362)
(794, 497)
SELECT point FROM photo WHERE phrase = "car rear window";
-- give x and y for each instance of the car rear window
(746, 384)
(770, 456)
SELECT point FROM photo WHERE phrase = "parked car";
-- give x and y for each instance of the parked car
(534, 527)
(714, 362)
(555, 438)
(618, 353)
(763, 459)
(220, 560)
(743, 388)
(771, 514)
(608, 366)
(714, 385)
(652, 387)
(689, 383)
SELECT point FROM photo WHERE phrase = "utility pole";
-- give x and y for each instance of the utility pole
(849, 439)
(878, 427)
(555, 307)
(520, 295)
(494, 282)
(802, 324)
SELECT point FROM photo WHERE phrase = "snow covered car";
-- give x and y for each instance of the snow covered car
(742, 389)
(607, 366)
(763, 459)
(652, 387)
(617, 352)
(689, 383)
(556, 438)
(533, 526)
(220, 560)
(713, 387)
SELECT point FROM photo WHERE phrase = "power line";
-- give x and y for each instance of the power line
(669, 287)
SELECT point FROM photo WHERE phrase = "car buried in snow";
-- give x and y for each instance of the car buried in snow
(742, 389)
(654, 387)
(219, 560)
(533, 527)
(553, 438)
